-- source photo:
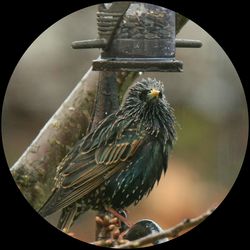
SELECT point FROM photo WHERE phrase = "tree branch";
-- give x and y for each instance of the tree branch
(106, 101)
(171, 232)
(35, 169)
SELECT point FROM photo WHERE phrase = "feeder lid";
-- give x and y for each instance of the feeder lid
(169, 65)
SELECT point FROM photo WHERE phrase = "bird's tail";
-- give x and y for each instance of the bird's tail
(69, 215)
(48, 207)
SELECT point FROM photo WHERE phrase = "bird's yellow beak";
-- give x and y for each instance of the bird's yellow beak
(154, 92)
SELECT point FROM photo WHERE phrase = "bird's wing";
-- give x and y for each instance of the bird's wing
(92, 165)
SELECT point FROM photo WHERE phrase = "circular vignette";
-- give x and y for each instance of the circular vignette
(209, 106)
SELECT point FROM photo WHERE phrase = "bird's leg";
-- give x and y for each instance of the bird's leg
(67, 218)
(124, 224)
(120, 217)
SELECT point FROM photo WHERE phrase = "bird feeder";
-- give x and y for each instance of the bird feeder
(136, 37)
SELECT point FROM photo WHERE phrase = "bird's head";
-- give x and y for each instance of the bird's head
(147, 105)
(146, 92)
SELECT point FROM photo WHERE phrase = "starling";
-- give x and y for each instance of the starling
(119, 162)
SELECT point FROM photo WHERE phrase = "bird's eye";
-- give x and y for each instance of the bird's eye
(143, 95)
(160, 95)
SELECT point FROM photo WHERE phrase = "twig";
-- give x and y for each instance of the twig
(171, 232)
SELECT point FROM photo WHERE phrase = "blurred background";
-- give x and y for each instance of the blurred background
(209, 104)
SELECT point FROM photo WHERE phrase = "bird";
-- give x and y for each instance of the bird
(120, 161)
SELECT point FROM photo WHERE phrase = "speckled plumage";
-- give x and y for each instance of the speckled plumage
(121, 160)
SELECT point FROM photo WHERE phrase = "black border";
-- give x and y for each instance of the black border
(22, 22)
